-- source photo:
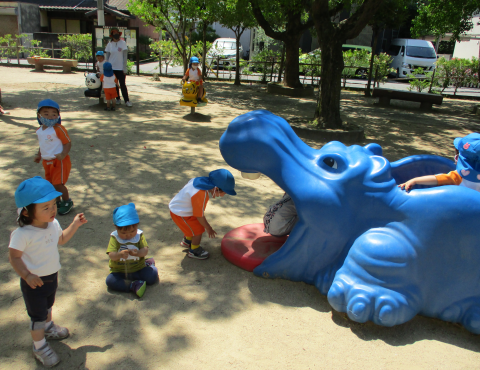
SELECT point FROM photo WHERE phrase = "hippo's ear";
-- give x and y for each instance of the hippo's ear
(375, 149)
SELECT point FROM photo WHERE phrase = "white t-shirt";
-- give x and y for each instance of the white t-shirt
(194, 74)
(100, 66)
(49, 142)
(109, 82)
(116, 54)
(470, 184)
(39, 247)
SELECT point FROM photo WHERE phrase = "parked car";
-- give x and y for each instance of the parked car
(223, 48)
(409, 54)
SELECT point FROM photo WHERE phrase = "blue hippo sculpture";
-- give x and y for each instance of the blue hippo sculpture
(379, 253)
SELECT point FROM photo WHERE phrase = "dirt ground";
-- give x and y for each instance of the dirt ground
(203, 314)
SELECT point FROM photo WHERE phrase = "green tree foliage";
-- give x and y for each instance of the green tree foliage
(419, 83)
(381, 66)
(353, 59)
(176, 16)
(438, 17)
(210, 36)
(78, 46)
(286, 21)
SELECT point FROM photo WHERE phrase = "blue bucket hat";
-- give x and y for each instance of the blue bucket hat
(100, 53)
(194, 60)
(222, 179)
(33, 191)
(468, 164)
(107, 69)
(125, 215)
(51, 104)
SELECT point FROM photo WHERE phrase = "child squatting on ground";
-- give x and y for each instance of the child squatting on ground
(187, 208)
(129, 271)
(33, 254)
(109, 86)
(194, 73)
(54, 146)
(467, 174)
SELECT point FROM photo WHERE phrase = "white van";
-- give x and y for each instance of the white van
(409, 54)
(224, 48)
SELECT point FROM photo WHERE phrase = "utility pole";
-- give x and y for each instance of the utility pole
(100, 13)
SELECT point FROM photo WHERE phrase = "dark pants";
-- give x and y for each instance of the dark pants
(39, 300)
(121, 80)
(116, 280)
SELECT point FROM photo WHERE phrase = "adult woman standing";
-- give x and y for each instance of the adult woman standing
(117, 53)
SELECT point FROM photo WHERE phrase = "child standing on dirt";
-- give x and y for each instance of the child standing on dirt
(54, 146)
(467, 159)
(129, 271)
(109, 86)
(100, 62)
(194, 73)
(33, 254)
(187, 208)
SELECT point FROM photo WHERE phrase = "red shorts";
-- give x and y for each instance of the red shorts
(189, 225)
(110, 93)
(56, 172)
(198, 83)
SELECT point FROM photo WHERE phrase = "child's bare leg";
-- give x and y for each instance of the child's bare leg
(108, 103)
(196, 240)
(114, 103)
(62, 189)
(200, 92)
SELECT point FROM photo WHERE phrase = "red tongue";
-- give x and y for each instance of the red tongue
(247, 246)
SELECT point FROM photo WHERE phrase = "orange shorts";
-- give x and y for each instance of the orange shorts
(189, 225)
(110, 93)
(56, 172)
(198, 83)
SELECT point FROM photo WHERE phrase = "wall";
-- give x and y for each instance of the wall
(467, 49)
(145, 30)
(8, 25)
(30, 18)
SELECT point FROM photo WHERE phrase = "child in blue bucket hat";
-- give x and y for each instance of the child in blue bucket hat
(467, 173)
(129, 270)
(33, 254)
(194, 73)
(187, 208)
(109, 86)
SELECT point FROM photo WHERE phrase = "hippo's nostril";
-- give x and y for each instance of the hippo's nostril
(330, 162)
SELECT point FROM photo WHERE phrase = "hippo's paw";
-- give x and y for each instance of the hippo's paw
(471, 319)
(366, 302)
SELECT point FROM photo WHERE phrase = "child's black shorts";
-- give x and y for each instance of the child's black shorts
(39, 300)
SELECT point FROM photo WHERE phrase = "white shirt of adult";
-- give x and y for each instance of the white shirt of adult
(116, 48)
(39, 247)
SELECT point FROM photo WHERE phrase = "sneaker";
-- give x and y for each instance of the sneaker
(107, 108)
(138, 287)
(119, 101)
(186, 243)
(198, 253)
(113, 108)
(149, 262)
(56, 332)
(128, 104)
(65, 207)
(46, 355)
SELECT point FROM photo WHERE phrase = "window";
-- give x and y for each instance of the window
(393, 50)
(420, 52)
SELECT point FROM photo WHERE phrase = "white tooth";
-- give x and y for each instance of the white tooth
(251, 176)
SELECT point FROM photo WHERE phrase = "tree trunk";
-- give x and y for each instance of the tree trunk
(204, 56)
(282, 62)
(237, 57)
(376, 32)
(292, 63)
(327, 113)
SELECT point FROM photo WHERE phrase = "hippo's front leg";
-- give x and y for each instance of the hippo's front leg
(378, 280)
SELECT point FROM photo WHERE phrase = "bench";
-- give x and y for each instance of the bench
(426, 100)
(39, 62)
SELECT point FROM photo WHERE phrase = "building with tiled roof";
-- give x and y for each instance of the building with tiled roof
(65, 16)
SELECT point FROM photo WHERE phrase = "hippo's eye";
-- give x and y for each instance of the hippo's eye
(330, 162)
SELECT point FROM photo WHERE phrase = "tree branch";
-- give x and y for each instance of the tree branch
(358, 20)
(257, 12)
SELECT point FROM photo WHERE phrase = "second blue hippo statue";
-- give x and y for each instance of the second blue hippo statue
(377, 252)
